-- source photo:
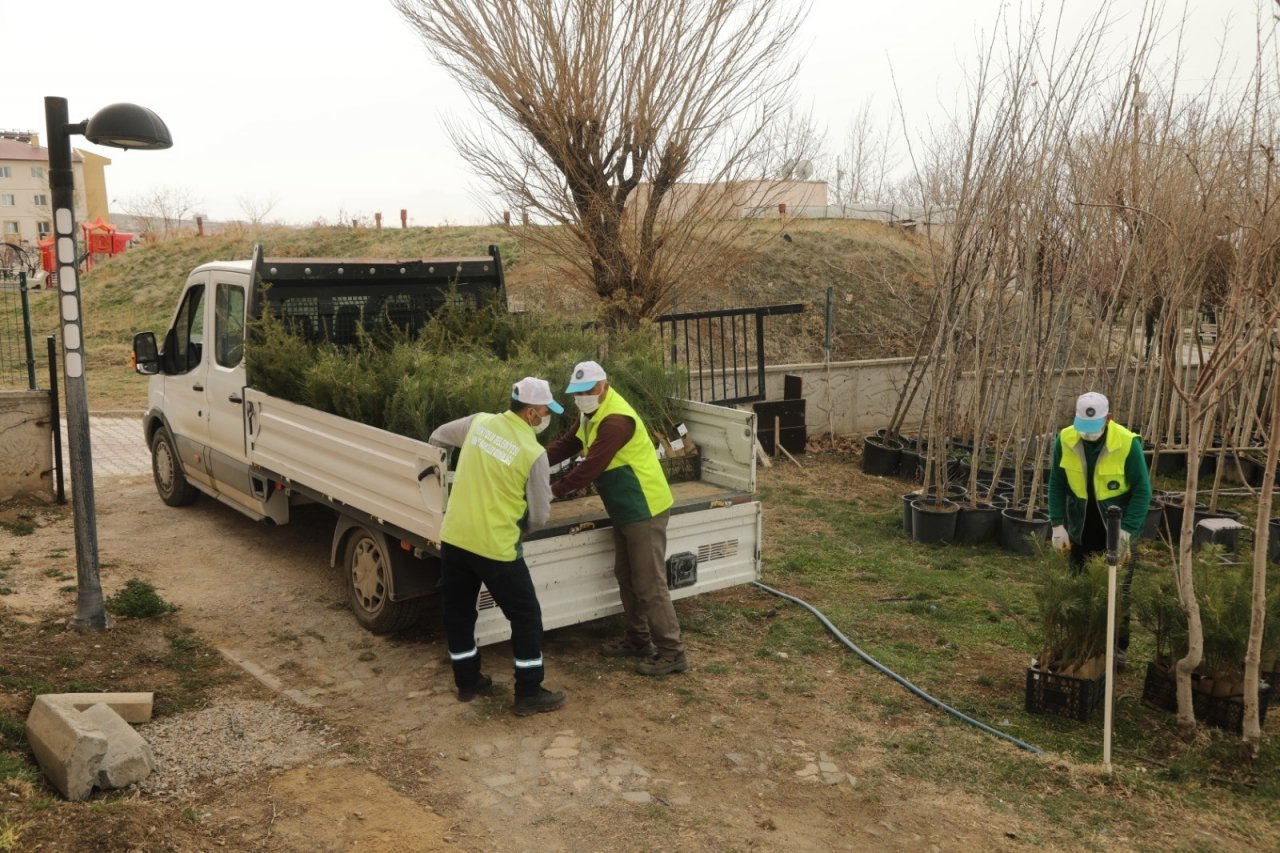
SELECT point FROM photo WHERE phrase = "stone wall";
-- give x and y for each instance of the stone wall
(26, 445)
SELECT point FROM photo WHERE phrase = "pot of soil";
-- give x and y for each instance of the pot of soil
(1273, 544)
(977, 523)
(1020, 535)
(880, 455)
(933, 521)
(1155, 515)
(911, 463)
(906, 511)
(1173, 518)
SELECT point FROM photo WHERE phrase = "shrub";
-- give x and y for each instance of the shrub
(138, 600)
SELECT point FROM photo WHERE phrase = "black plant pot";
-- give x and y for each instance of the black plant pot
(1273, 545)
(934, 521)
(1019, 535)
(880, 455)
(1171, 462)
(1155, 515)
(978, 523)
(1173, 519)
(906, 511)
(911, 464)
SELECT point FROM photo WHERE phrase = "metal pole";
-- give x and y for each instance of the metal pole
(26, 330)
(55, 415)
(1113, 557)
(90, 611)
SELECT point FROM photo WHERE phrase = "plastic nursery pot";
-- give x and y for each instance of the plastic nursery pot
(1019, 535)
(906, 511)
(1273, 545)
(880, 455)
(911, 465)
(977, 524)
(934, 521)
(1173, 518)
(1155, 515)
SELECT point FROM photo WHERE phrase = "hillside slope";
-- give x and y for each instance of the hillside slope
(879, 275)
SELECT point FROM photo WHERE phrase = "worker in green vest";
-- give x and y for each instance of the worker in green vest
(501, 491)
(1097, 464)
(619, 457)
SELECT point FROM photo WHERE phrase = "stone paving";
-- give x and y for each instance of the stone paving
(116, 445)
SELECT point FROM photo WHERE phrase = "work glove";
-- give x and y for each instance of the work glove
(1122, 552)
(1061, 541)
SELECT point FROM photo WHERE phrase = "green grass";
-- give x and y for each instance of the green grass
(961, 623)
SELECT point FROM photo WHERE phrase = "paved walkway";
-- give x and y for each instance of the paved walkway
(116, 444)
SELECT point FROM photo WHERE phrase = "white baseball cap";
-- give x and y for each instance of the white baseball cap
(585, 375)
(535, 392)
(1091, 412)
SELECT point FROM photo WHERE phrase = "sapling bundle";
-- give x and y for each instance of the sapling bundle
(461, 362)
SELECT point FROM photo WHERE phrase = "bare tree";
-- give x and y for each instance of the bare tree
(866, 163)
(635, 127)
(257, 208)
(162, 209)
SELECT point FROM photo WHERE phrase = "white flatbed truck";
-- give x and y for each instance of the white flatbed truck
(210, 433)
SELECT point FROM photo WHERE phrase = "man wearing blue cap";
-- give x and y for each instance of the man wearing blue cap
(1097, 464)
(619, 458)
(501, 490)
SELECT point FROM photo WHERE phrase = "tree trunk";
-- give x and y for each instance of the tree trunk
(1184, 575)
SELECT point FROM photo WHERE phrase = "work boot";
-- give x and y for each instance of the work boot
(482, 685)
(543, 700)
(627, 649)
(660, 665)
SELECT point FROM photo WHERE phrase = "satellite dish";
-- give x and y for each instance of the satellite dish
(803, 170)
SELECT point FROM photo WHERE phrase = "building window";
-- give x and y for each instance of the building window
(7, 200)
(4, 171)
(42, 200)
(44, 228)
(37, 171)
(10, 228)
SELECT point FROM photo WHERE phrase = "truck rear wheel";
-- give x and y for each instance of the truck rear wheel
(166, 470)
(368, 568)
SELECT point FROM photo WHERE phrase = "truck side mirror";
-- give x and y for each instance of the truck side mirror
(146, 359)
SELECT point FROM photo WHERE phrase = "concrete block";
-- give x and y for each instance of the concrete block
(68, 748)
(129, 758)
(97, 747)
(132, 707)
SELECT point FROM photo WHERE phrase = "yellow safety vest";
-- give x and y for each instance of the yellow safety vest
(632, 486)
(1109, 480)
(487, 503)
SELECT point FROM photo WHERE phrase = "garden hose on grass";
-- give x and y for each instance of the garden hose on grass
(835, 632)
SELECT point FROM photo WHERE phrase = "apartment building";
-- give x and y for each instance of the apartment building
(26, 210)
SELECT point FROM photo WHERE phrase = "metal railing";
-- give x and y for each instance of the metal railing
(723, 350)
(17, 357)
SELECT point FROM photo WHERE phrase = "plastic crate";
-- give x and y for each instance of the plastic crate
(1160, 691)
(682, 469)
(1050, 693)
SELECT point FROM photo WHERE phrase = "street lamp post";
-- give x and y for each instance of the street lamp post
(119, 126)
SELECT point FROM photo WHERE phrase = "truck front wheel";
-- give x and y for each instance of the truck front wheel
(368, 568)
(166, 469)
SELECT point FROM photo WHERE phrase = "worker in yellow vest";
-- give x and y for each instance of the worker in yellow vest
(501, 491)
(619, 457)
(1097, 464)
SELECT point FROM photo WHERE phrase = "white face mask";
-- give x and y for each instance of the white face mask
(587, 403)
(541, 425)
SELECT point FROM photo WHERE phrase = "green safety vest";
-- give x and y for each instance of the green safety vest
(488, 503)
(1109, 481)
(632, 486)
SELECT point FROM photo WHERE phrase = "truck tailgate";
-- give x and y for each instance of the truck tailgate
(395, 479)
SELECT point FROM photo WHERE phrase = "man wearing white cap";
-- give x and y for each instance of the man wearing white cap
(501, 490)
(1097, 464)
(619, 458)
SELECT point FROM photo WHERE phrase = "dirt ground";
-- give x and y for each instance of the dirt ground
(719, 758)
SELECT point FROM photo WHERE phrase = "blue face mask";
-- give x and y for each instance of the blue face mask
(1092, 436)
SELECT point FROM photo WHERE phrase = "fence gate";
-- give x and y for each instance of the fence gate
(723, 350)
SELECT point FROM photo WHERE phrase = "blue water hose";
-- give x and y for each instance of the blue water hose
(875, 664)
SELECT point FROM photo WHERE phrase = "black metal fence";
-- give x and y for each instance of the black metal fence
(724, 350)
(17, 359)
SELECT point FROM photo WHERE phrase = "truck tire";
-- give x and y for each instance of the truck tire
(368, 569)
(166, 470)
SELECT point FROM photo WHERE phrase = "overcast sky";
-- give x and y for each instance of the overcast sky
(335, 109)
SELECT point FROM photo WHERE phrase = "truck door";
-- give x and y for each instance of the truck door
(224, 384)
(184, 385)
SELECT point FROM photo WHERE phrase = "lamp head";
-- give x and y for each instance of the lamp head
(127, 126)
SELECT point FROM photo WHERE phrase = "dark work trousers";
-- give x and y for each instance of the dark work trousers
(640, 566)
(1093, 540)
(509, 583)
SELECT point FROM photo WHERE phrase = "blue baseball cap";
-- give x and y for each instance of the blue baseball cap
(584, 377)
(1091, 412)
(535, 392)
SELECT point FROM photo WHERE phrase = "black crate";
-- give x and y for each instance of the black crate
(682, 469)
(1160, 691)
(1050, 693)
